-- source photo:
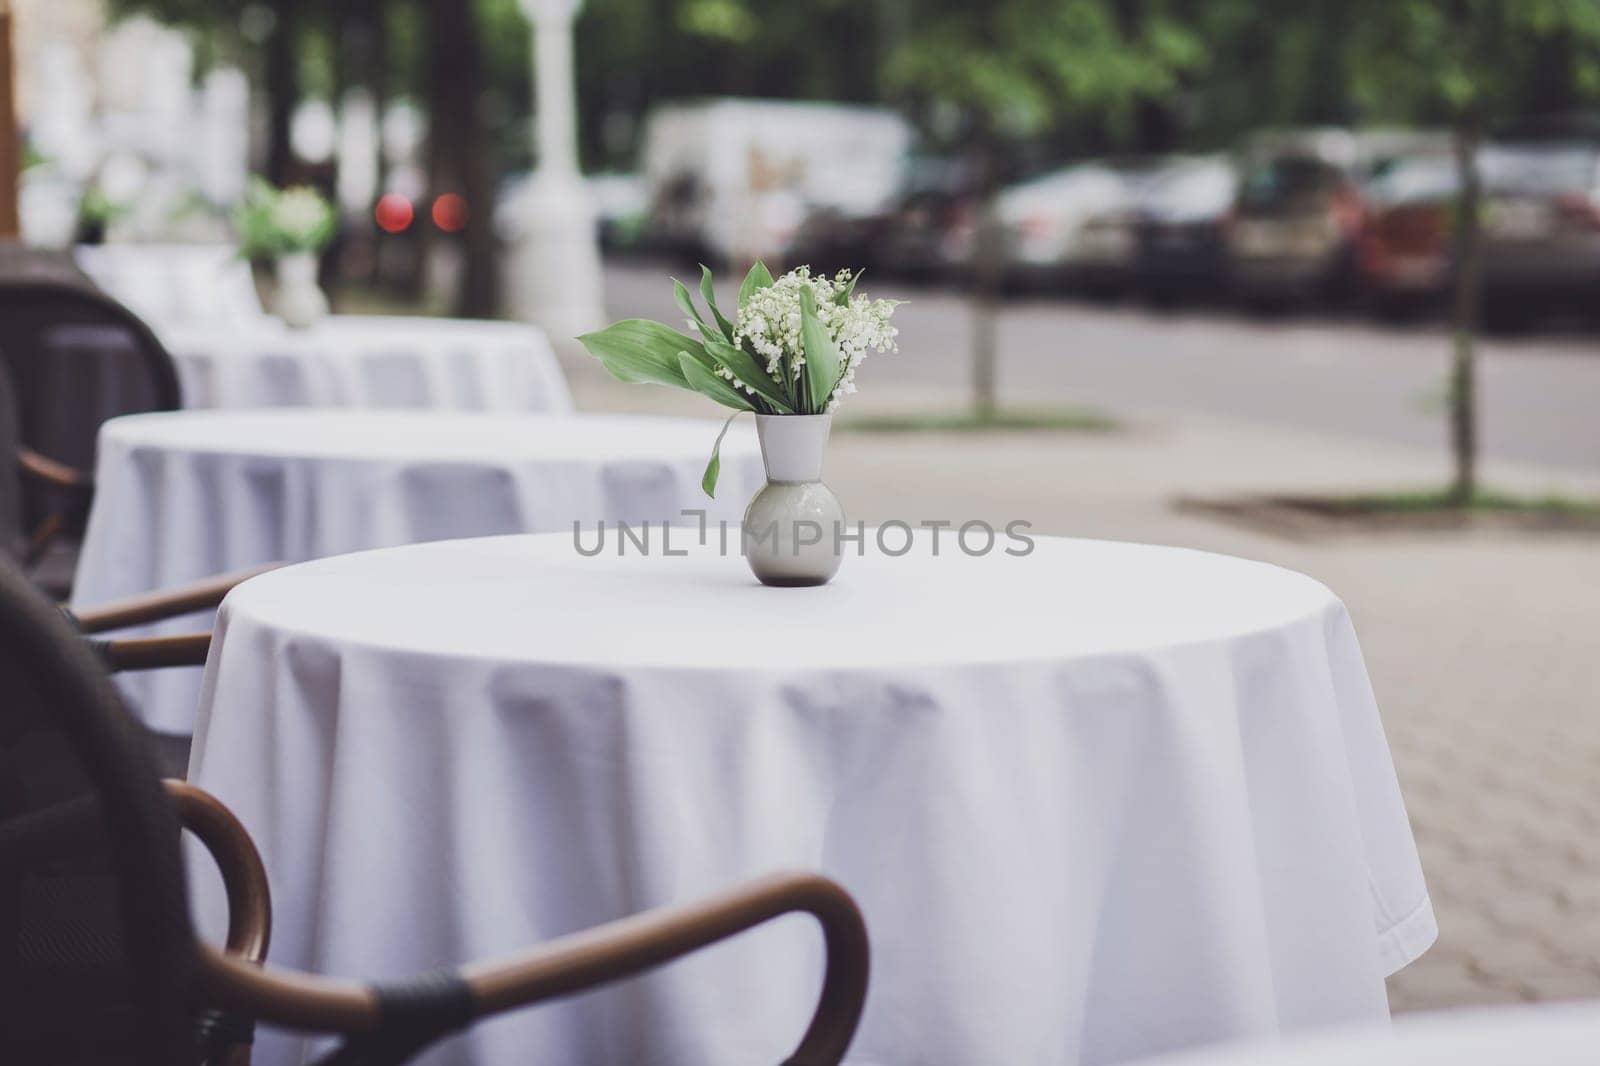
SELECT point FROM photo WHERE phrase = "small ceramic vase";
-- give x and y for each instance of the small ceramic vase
(792, 526)
(299, 301)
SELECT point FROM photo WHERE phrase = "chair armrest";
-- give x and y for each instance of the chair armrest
(585, 960)
(164, 603)
(633, 945)
(55, 832)
(244, 878)
(153, 653)
(43, 468)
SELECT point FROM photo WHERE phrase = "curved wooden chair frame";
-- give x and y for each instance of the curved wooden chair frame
(234, 978)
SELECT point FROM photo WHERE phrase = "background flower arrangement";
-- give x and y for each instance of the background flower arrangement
(792, 348)
(277, 222)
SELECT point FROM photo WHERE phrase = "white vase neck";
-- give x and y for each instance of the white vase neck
(298, 266)
(792, 446)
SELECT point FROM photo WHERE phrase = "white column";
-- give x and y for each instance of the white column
(557, 281)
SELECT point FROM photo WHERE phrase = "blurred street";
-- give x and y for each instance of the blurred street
(1486, 684)
(1319, 372)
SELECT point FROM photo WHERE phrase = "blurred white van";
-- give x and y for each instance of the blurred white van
(733, 180)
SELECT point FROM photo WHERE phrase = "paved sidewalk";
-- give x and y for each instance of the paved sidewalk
(1484, 648)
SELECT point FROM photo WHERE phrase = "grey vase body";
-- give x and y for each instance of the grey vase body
(791, 528)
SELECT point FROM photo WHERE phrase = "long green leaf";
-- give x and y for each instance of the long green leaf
(708, 480)
(747, 369)
(708, 384)
(823, 362)
(710, 295)
(637, 350)
(685, 302)
(758, 278)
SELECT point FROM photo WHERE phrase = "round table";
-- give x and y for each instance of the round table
(183, 495)
(394, 361)
(1096, 800)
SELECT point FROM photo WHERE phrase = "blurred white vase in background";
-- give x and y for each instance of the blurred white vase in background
(299, 301)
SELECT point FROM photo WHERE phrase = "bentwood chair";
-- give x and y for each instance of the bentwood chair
(76, 357)
(99, 963)
(27, 549)
(32, 553)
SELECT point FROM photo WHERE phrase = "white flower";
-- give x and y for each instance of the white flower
(300, 214)
(769, 324)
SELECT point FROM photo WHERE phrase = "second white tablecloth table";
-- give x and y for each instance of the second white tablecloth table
(1096, 802)
(184, 495)
(378, 361)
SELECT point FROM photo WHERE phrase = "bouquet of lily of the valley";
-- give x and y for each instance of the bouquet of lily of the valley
(274, 222)
(792, 347)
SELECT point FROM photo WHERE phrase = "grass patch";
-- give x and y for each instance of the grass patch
(1427, 511)
(1440, 501)
(1067, 420)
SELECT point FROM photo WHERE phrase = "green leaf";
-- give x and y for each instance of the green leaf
(747, 369)
(708, 480)
(758, 278)
(685, 302)
(823, 362)
(710, 294)
(707, 384)
(842, 297)
(636, 350)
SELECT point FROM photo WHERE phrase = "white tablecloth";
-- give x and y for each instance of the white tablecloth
(367, 361)
(1096, 802)
(189, 494)
(174, 282)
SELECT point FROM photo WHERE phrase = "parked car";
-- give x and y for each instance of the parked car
(1407, 255)
(1074, 228)
(926, 232)
(1184, 215)
(1541, 230)
(1541, 227)
(620, 203)
(933, 232)
(1299, 212)
(735, 179)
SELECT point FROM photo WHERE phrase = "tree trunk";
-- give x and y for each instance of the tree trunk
(459, 146)
(10, 141)
(1468, 308)
(988, 267)
(283, 91)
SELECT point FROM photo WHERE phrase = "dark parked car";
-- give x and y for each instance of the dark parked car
(933, 231)
(1541, 228)
(927, 233)
(1181, 246)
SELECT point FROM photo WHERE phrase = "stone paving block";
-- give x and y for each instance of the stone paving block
(1529, 911)
(1574, 986)
(1436, 988)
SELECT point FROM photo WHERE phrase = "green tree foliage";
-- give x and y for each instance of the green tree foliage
(635, 53)
(1023, 66)
(1483, 60)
